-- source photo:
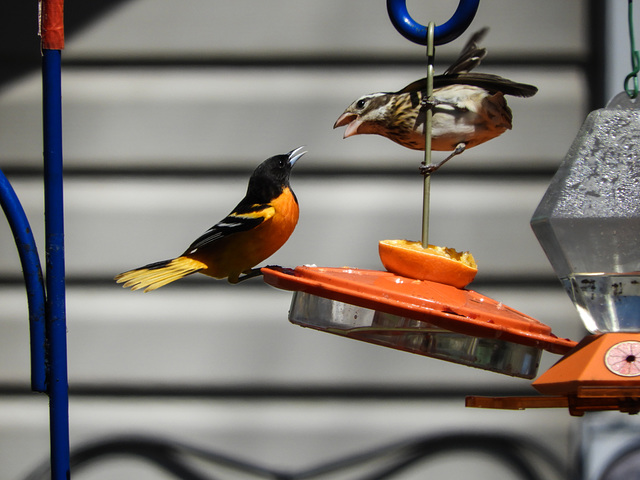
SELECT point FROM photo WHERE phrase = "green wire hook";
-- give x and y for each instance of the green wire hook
(635, 59)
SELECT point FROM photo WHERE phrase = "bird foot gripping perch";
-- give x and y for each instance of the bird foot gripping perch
(429, 168)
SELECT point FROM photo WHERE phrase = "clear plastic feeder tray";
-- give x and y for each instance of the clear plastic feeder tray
(417, 316)
(413, 336)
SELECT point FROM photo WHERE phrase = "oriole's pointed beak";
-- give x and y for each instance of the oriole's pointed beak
(295, 154)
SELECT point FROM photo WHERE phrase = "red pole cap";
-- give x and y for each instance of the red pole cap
(51, 22)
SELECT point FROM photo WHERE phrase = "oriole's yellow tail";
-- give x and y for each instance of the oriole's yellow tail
(156, 275)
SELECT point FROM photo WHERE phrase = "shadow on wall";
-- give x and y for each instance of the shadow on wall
(19, 42)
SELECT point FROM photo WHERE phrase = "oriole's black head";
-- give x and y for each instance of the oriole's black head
(272, 176)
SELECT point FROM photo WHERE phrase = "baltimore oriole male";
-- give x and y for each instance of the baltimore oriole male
(468, 108)
(256, 228)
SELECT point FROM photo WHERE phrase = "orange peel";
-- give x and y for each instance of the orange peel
(437, 264)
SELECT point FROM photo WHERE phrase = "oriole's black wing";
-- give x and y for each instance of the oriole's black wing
(243, 218)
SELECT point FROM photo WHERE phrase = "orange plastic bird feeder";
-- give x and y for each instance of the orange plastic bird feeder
(417, 316)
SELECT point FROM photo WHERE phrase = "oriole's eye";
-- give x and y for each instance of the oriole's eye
(361, 103)
(282, 163)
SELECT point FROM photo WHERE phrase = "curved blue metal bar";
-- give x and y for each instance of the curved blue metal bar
(32, 272)
(444, 33)
(55, 311)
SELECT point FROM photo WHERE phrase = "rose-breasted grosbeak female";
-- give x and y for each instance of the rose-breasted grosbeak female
(468, 108)
(259, 225)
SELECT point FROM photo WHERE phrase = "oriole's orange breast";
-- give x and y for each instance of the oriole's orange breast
(237, 253)
(273, 233)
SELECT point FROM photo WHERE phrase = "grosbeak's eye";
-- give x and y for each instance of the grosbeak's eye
(282, 163)
(361, 103)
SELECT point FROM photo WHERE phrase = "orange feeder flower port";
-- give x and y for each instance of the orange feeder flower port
(601, 373)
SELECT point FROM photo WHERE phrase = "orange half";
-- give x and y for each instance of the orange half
(437, 264)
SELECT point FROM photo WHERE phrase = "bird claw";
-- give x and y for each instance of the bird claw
(427, 170)
(429, 104)
(254, 272)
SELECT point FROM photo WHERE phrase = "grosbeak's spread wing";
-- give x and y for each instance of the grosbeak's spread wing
(459, 73)
(491, 83)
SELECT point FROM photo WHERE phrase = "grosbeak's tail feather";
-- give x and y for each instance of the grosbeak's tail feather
(471, 54)
(156, 275)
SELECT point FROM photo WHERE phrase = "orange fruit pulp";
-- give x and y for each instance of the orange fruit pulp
(437, 264)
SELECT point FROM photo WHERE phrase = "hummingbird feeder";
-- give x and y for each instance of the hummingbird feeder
(588, 224)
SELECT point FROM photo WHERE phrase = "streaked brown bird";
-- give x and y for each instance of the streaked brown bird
(256, 228)
(468, 108)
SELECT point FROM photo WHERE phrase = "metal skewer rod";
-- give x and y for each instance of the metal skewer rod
(427, 99)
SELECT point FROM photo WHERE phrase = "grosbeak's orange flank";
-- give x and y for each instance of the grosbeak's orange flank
(468, 108)
(259, 225)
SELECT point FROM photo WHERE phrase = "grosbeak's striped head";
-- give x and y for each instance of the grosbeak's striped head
(397, 116)
(368, 114)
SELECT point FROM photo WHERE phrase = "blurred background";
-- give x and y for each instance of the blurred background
(167, 108)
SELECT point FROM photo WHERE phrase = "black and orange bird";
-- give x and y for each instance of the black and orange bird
(256, 228)
(468, 108)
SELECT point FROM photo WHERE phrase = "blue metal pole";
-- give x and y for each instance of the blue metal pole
(34, 281)
(55, 272)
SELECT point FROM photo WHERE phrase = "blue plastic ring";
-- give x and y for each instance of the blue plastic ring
(445, 33)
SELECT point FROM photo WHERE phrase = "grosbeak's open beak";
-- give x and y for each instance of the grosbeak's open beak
(351, 120)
